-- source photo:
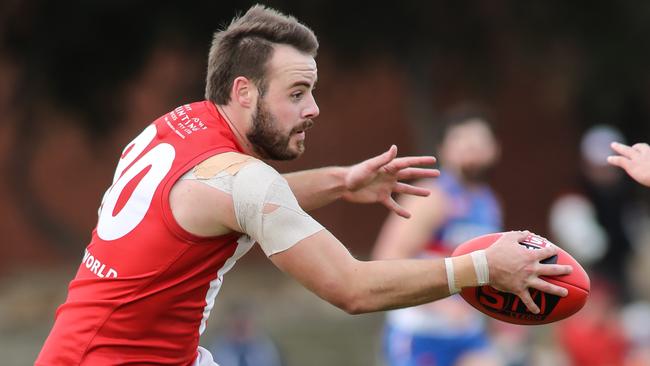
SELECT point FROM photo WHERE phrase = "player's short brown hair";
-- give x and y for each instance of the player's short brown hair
(246, 45)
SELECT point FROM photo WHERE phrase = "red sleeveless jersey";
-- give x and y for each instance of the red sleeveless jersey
(145, 286)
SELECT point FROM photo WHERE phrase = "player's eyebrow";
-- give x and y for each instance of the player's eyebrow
(301, 83)
(304, 83)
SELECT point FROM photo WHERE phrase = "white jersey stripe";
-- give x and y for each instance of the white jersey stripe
(244, 244)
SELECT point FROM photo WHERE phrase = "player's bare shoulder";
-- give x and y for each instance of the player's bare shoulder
(201, 200)
(235, 192)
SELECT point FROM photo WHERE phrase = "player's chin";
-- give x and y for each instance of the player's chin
(299, 149)
(297, 145)
(292, 151)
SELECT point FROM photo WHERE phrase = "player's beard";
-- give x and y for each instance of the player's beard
(268, 141)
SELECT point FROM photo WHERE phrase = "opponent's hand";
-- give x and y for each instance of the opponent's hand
(376, 179)
(514, 268)
(635, 160)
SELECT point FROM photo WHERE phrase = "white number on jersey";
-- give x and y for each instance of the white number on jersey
(159, 159)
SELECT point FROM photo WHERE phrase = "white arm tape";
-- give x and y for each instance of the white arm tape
(451, 283)
(468, 270)
(481, 267)
(257, 188)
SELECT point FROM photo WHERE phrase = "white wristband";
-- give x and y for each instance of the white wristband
(481, 267)
(449, 266)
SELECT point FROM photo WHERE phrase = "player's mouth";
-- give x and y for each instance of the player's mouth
(300, 130)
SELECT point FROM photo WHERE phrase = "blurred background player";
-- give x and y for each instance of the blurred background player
(461, 206)
(595, 335)
(592, 221)
(588, 222)
(242, 342)
(635, 160)
(598, 223)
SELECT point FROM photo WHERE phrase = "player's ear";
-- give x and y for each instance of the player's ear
(244, 92)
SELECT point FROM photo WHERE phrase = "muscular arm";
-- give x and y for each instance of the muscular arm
(316, 188)
(261, 204)
(323, 265)
(372, 180)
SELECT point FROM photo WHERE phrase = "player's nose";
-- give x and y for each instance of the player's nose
(311, 110)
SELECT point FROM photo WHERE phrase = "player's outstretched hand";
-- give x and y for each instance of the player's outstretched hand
(514, 268)
(376, 179)
(635, 160)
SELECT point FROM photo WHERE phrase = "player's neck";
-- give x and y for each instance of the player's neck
(236, 122)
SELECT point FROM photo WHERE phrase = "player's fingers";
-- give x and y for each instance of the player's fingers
(623, 149)
(640, 147)
(410, 189)
(548, 287)
(619, 161)
(383, 159)
(417, 173)
(390, 203)
(546, 252)
(554, 269)
(409, 161)
(515, 236)
(528, 301)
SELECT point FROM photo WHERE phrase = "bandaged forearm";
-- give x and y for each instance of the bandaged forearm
(468, 270)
